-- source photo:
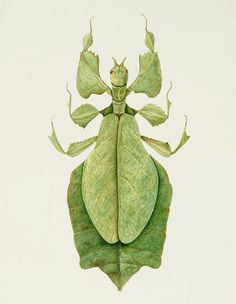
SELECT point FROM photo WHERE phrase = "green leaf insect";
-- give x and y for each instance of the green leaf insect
(119, 197)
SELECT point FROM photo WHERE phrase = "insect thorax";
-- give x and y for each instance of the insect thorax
(118, 98)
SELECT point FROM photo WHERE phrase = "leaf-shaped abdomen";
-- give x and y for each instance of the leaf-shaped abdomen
(120, 181)
(137, 181)
(99, 182)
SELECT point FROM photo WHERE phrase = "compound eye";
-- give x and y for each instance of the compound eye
(111, 72)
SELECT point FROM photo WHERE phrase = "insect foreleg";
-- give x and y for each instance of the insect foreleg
(88, 80)
(83, 114)
(149, 79)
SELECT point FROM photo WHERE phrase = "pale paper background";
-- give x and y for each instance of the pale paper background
(40, 43)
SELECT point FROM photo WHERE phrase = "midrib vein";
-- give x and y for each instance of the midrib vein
(118, 142)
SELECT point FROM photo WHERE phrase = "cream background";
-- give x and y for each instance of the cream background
(40, 43)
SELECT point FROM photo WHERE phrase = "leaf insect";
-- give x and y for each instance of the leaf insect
(119, 197)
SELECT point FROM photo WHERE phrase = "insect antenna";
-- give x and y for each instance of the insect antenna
(115, 63)
(123, 61)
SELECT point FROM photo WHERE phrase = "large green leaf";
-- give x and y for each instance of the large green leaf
(119, 261)
(120, 182)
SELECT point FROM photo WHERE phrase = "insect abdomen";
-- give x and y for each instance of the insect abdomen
(120, 181)
(99, 187)
(137, 181)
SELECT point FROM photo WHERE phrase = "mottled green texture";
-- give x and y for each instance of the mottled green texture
(100, 181)
(137, 181)
(119, 197)
(148, 80)
(119, 261)
(119, 74)
(120, 182)
(88, 78)
(154, 114)
(84, 114)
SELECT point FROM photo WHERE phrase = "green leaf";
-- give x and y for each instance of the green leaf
(119, 261)
(120, 182)
(74, 148)
(153, 114)
(88, 79)
(149, 79)
(84, 114)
